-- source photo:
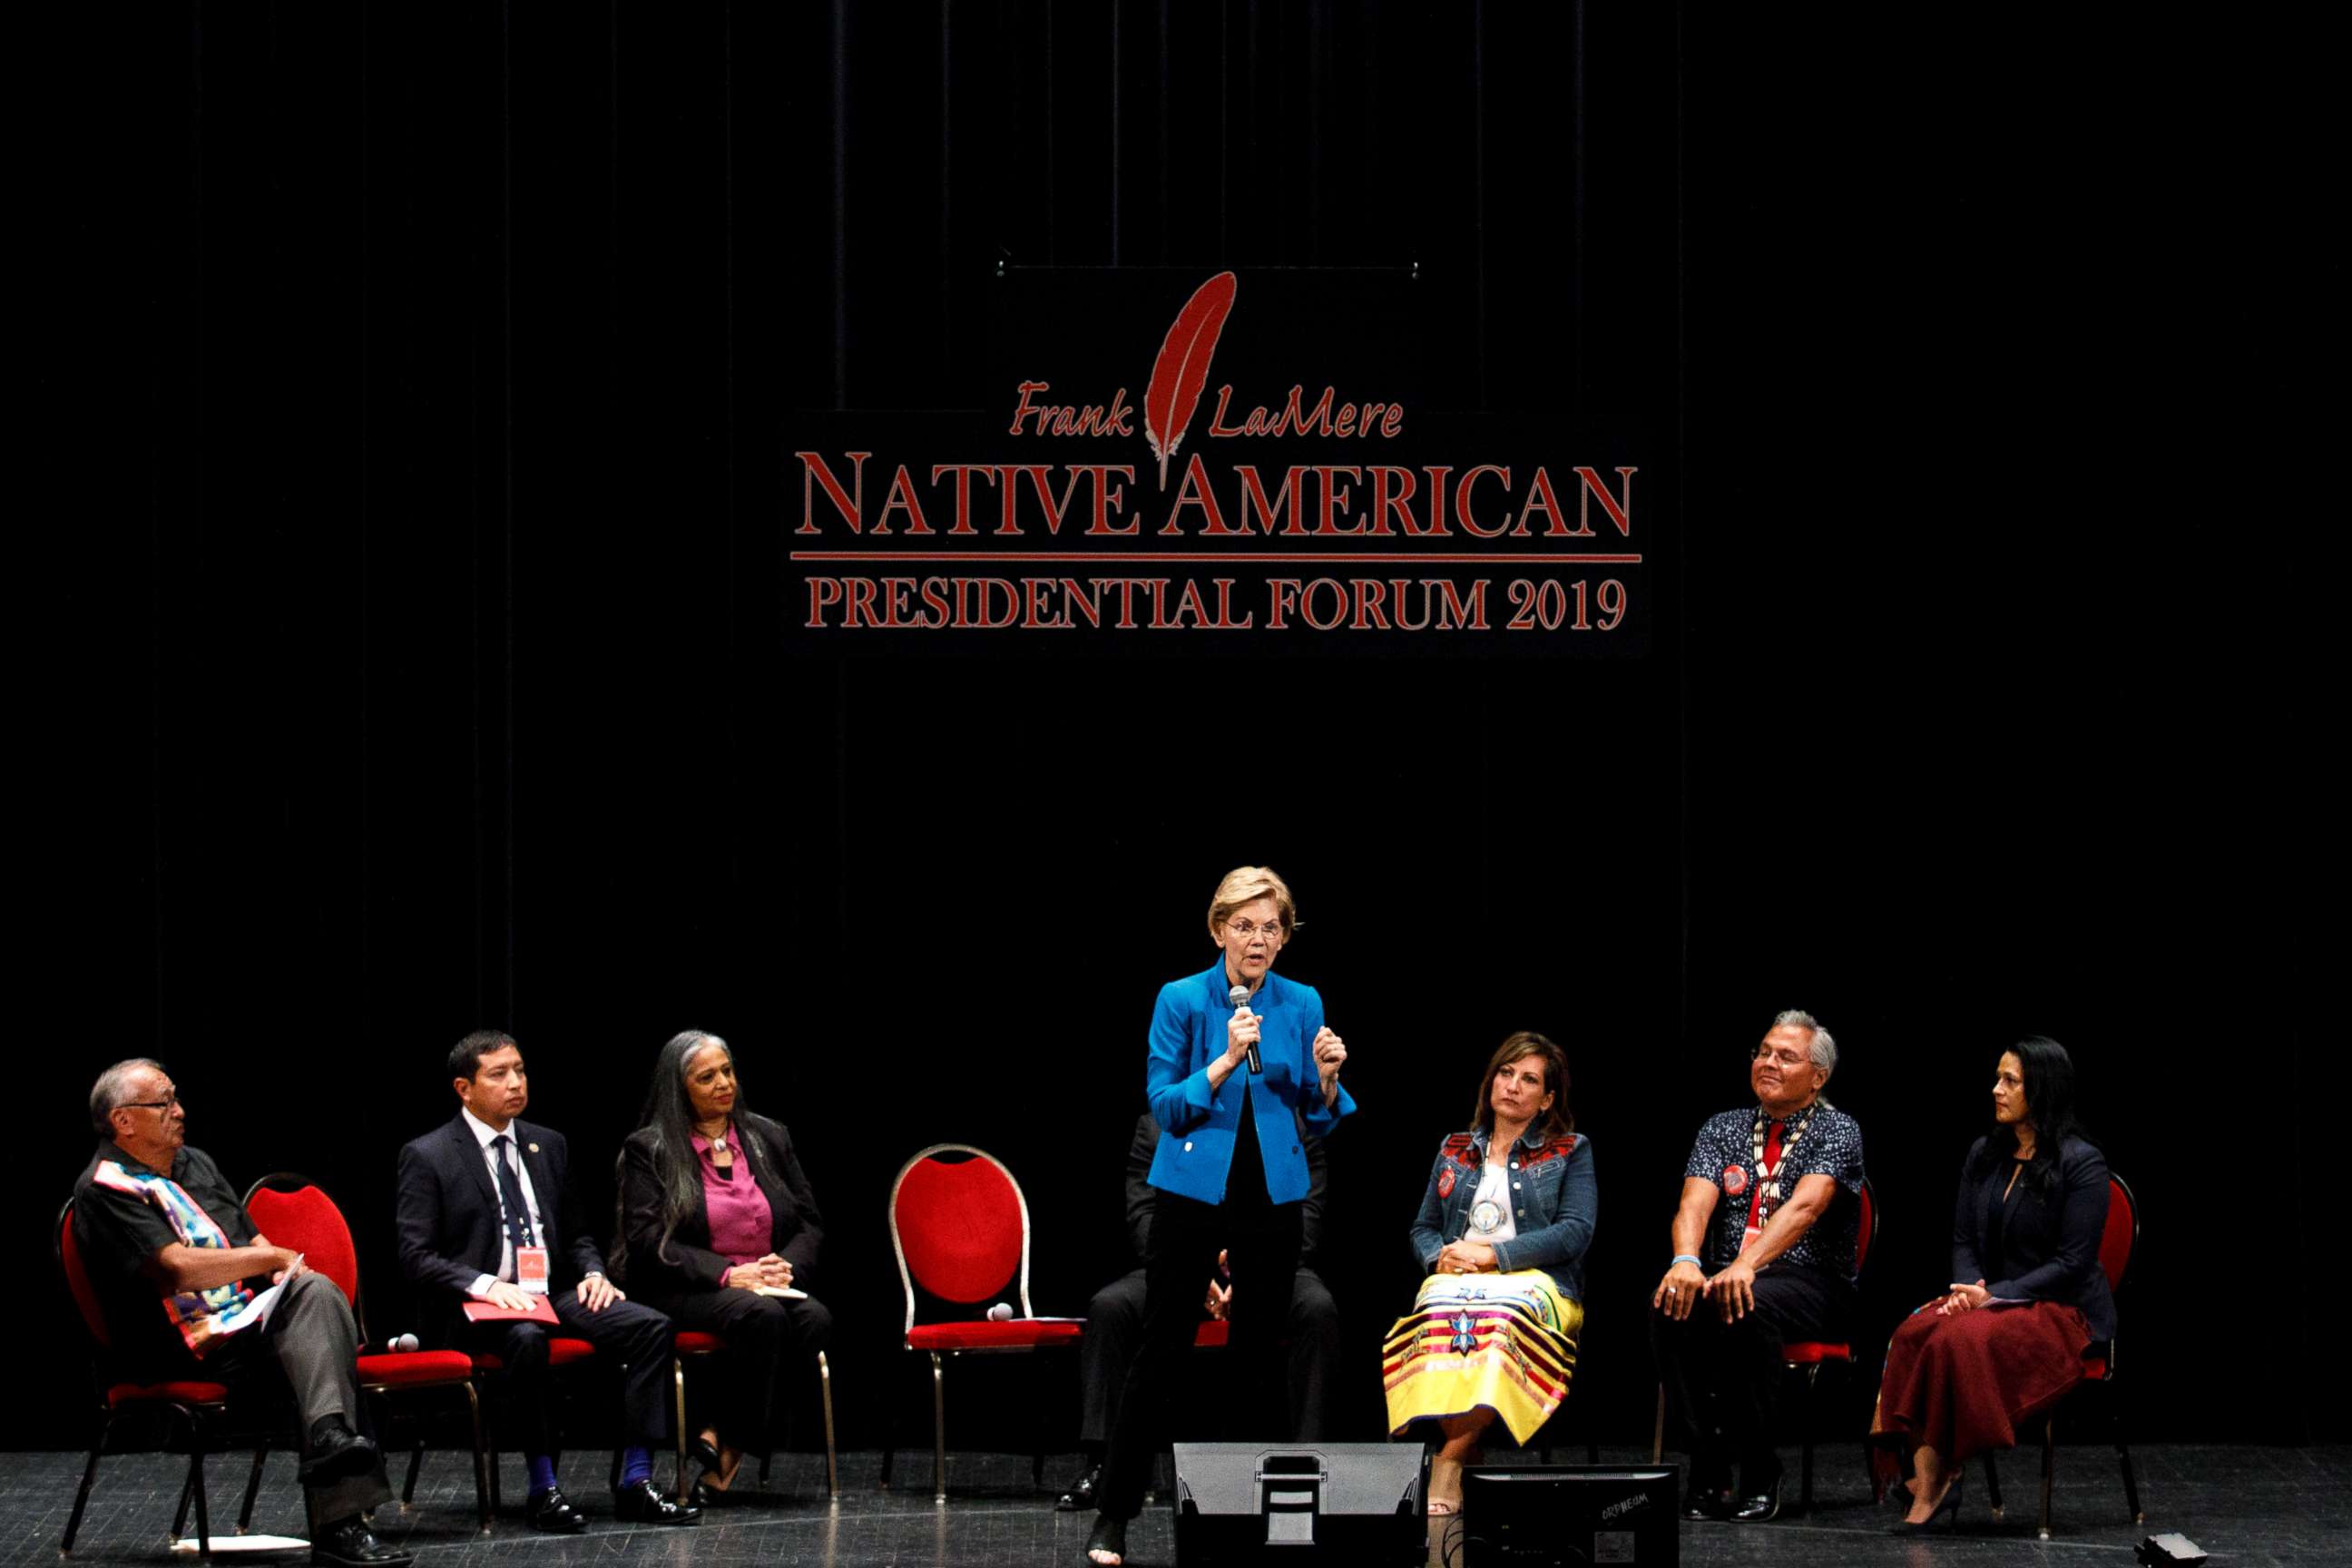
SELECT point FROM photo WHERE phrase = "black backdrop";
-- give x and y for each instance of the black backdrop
(410, 659)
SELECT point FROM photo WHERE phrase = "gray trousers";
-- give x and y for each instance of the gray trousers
(312, 1339)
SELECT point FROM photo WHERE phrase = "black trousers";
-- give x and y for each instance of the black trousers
(632, 1335)
(771, 1344)
(1728, 1376)
(309, 1344)
(1262, 1242)
(1115, 1327)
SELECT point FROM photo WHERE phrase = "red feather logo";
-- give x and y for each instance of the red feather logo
(1178, 374)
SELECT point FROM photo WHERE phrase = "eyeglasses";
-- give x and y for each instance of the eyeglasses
(1248, 929)
(149, 1104)
(1801, 1060)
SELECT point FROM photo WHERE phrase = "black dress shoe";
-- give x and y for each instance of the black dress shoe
(1756, 1507)
(643, 1504)
(552, 1513)
(1080, 1498)
(336, 1453)
(1708, 1502)
(352, 1543)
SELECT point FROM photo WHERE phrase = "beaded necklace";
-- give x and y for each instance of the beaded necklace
(1769, 1175)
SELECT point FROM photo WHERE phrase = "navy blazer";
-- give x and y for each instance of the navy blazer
(447, 1212)
(795, 1228)
(1188, 1033)
(2051, 1238)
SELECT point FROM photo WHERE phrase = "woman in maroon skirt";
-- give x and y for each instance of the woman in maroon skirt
(2027, 1295)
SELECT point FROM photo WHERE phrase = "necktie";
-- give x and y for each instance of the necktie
(511, 1193)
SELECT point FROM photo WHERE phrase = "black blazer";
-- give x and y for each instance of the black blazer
(447, 1212)
(2049, 1240)
(796, 1228)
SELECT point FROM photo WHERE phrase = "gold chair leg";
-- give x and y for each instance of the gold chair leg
(481, 1456)
(1658, 1429)
(832, 1460)
(939, 1429)
(2048, 1466)
(677, 1425)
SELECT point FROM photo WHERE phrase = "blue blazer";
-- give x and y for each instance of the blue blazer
(1188, 1033)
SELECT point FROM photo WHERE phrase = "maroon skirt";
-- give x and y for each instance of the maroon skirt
(1961, 1384)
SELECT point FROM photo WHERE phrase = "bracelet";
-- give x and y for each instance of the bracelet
(1685, 1257)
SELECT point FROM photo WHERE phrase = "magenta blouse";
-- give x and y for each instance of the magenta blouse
(742, 1226)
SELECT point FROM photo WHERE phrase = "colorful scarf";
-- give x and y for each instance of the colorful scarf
(203, 1318)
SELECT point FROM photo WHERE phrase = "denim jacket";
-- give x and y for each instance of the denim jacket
(1554, 1206)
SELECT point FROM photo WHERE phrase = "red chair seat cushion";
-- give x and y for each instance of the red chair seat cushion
(1017, 1334)
(1211, 1335)
(559, 1353)
(1811, 1353)
(123, 1393)
(410, 1369)
(693, 1343)
(2096, 1371)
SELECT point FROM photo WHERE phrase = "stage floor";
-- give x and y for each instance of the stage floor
(2247, 1507)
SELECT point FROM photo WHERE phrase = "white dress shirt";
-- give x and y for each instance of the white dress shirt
(483, 1134)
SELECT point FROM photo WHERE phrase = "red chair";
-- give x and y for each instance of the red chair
(693, 1345)
(1808, 1356)
(292, 1212)
(2117, 1243)
(961, 1228)
(189, 1407)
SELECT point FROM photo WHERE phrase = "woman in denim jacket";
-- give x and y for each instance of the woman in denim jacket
(1502, 1231)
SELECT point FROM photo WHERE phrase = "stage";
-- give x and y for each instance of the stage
(2245, 1506)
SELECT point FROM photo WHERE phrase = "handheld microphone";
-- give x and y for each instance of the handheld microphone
(1000, 1313)
(1239, 998)
(400, 1344)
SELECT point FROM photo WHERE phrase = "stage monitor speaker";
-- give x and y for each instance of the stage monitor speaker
(1300, 1504)
(1564, 1516)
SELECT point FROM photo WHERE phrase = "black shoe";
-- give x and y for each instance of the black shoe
(1706, 1503)
(336, 1453)
(352, 1544)
(1080, 1498)
(1757, 1507)
(1947, 1514)
(552, 1513)
(643, 1504)
(1107, 1535)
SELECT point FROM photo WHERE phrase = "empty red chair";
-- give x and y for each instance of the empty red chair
(292, 1212)
(961, 1228)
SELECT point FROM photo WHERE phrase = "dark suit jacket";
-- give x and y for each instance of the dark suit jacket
(687, 1263)
(1141, 1192)
(2049, 1241)
(447, 1212)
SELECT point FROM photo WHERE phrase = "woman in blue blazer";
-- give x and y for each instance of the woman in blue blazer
(1234, 1051)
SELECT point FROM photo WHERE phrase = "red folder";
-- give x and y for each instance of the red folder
(483, 1313)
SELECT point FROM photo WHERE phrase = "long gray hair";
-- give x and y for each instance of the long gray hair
(669, 1111)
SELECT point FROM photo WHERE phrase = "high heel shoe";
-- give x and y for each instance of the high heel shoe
(1947, 1514)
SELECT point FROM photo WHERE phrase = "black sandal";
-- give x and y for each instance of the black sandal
(1108, 1535)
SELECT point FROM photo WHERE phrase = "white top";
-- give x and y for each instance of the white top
(483, 1134)
(1490, 1208)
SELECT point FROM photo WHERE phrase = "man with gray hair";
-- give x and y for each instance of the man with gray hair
(1763, 1254)
(183, 1280)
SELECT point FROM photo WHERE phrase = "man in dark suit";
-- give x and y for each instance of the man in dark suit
(488, 1215)
(1114, 1318)
(180, 1271)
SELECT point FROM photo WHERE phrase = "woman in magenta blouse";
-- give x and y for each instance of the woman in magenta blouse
(721, 1233)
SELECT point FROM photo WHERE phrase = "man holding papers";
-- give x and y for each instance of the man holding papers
(191, 1291)
(490, 1227)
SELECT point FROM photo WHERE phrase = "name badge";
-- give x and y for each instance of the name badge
(530, 1268)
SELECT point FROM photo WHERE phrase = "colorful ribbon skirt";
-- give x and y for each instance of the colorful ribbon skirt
(1506, 1342)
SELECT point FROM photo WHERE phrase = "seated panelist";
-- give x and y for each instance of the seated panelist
(486, 1215)
(179, 1268)
(2027, 1295)
(1501, 1232)
(717, 1221)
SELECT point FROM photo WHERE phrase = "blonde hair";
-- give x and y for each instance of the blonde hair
(1246, 885)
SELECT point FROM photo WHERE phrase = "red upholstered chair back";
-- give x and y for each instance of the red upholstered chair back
(1866, 1231)
(2121, 1237)
(961, 1226)
(93, 1316)
(291, 1212)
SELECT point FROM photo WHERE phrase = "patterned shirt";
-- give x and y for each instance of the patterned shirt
(1725, 1153)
